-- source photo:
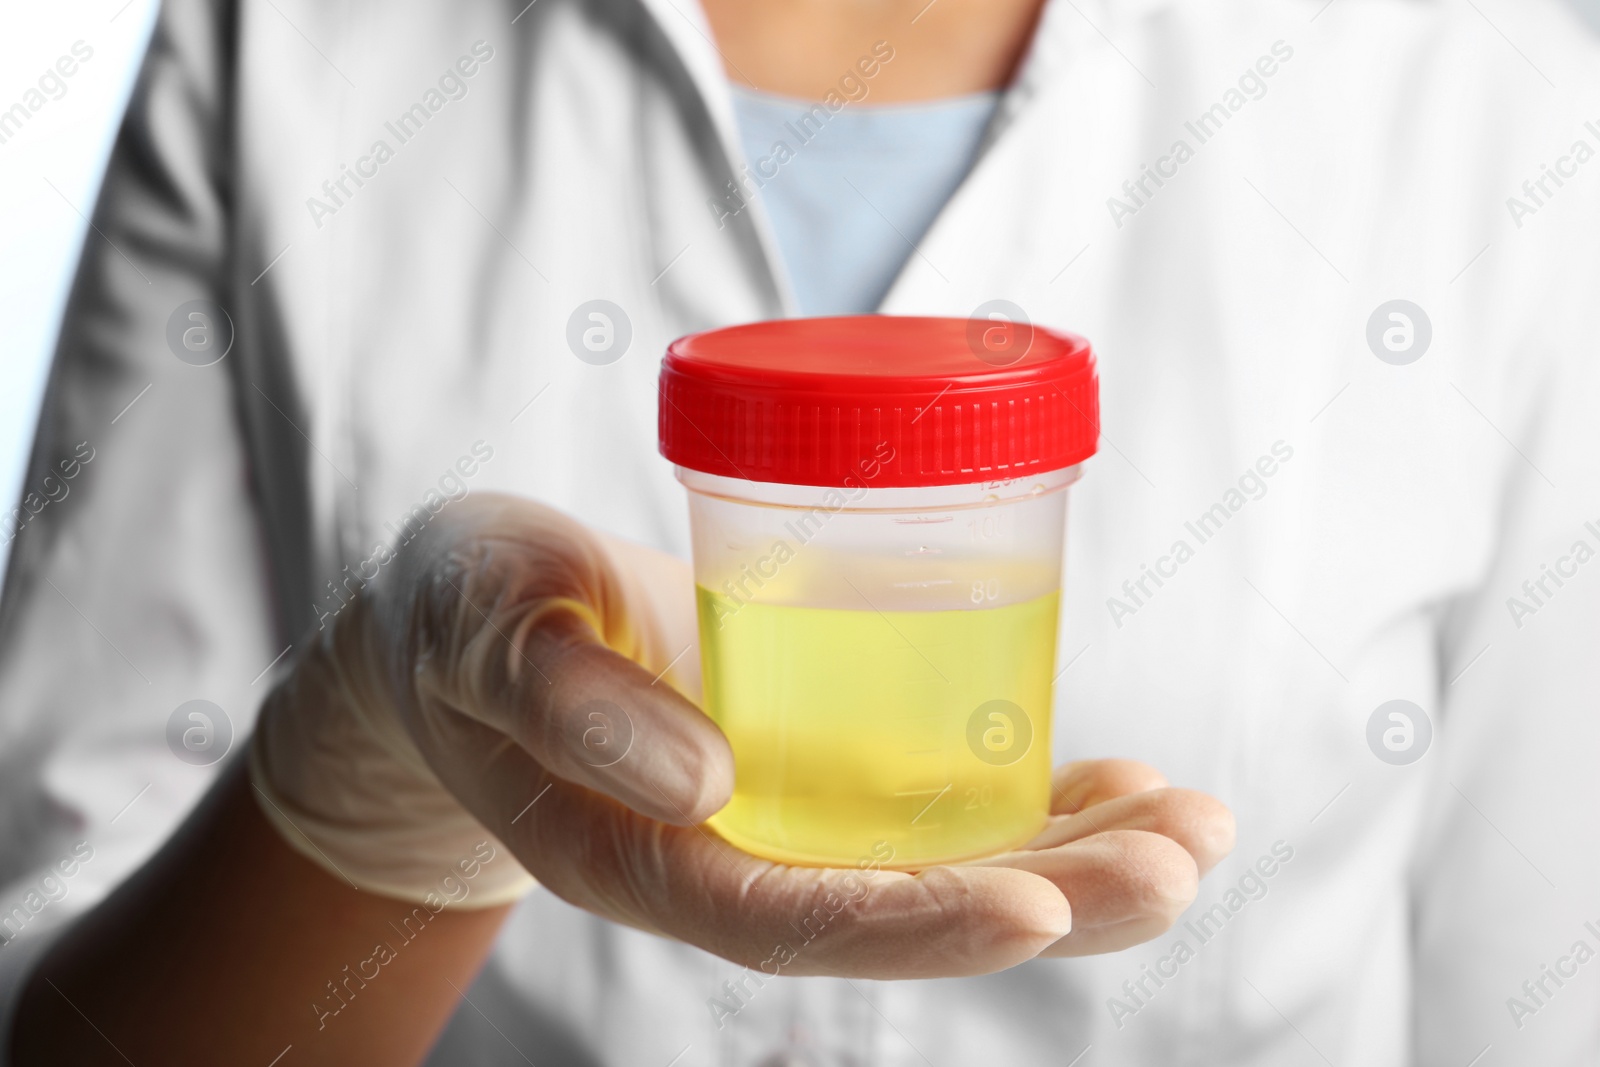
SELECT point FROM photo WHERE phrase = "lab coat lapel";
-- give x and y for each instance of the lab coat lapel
(1018, 194)
(683, 25)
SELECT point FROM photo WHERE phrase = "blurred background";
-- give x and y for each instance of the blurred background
(50, 172)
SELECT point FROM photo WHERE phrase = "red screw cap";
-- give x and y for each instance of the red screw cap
(810, 401)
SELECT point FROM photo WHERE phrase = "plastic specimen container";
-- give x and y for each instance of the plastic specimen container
(878, 514)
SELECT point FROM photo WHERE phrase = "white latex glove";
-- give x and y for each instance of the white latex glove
(510, 671)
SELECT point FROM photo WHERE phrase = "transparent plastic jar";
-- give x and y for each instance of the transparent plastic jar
(878, 508)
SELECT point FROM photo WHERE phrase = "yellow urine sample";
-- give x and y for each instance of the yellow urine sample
(928, 730)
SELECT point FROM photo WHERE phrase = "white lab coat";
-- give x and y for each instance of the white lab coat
(376, 343)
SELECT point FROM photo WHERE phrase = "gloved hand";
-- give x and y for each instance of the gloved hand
(513, 671)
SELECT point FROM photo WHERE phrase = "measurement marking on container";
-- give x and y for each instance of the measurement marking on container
(932, 802)
(926, 521)
(931, 582)
(896, 630)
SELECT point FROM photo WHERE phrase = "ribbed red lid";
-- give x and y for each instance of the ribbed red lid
(911, 401)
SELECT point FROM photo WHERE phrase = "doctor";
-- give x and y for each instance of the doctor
(1338, 261)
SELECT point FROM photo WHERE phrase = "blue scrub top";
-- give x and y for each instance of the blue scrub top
(856, 189)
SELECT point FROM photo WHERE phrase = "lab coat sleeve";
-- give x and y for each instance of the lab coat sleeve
(135, 581)
(1507, 882)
